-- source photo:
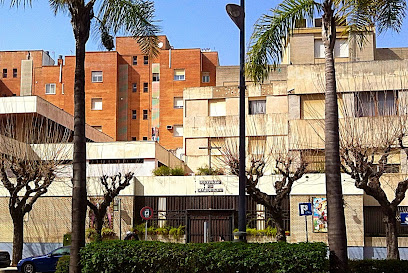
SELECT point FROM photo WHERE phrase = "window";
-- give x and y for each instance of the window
(96, 104)
(341, 48)
(257, 107)
(97, 76)
(178, 102)
(14, 72)
(217, 145)
(145, 87)
(144, 138)
(381, 103)
(134, 138)
(134, 87)
(156, 77)
(312, 106)
(179, 74)
(206, 76)
(178, 130)
(257, 145)
(50, 88)
(145, 114)
(319, 49)
(99, 128)
(315, 159)
(134, 60)
(146, 59)
(4, 72)
(388, 168)
(134, 114)
(217, 108)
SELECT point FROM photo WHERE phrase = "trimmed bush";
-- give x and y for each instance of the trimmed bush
(63, 264)
(139, 256)
(378, 266)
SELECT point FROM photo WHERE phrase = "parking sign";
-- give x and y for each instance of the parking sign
(404, 218)
(305, 209)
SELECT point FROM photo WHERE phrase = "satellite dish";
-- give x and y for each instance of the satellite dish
(160, 45)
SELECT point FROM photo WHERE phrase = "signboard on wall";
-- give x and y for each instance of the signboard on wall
(319, 214)
(210, 186)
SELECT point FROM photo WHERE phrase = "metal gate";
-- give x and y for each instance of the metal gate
(218, 223)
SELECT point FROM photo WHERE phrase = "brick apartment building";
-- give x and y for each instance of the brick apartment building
(128, 96)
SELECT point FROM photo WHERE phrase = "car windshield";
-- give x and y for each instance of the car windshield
(61, 251)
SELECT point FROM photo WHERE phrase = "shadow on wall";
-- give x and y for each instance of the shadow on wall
(32, 249)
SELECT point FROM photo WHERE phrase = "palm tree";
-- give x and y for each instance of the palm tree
(266, 49)
(134, 17)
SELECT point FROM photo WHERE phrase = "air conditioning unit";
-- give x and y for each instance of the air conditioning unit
(169, 127)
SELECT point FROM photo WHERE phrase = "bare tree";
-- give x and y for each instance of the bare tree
(265, 154)
(28, 165)
(370, 137)
(111, 186)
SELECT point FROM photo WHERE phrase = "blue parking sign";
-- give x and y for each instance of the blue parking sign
(305, 209)
(404, 218)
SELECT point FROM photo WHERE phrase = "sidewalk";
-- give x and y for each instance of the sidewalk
(8, 270)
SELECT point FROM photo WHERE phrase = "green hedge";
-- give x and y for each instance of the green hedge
(139, 256)
(378, 266)
(63, 264)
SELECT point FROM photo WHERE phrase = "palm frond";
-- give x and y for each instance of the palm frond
(134, 17)
(58, 5)
(389, 14)
(359, 17)
(271, 32)
(17, 3)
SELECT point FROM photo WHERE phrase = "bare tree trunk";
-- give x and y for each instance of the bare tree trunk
(81, 19)
(99, 215)
(18, 236)
(335, 211)
(280, 228)
(391, 234)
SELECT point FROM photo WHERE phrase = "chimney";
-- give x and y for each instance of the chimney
(60, 60)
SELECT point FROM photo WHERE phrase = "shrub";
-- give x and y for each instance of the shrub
(269, 231)
(177, 232)
(139, 256)
(162, 231)
(209, 171)
(374, 266)
(63, 264)
(108, 233)
(161, 171)
(91, 235)
(178, 171)
(166, 171)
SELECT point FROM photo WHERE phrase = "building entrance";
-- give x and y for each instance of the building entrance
(209, 225)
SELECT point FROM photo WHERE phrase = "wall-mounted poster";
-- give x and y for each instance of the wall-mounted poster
(319, 215)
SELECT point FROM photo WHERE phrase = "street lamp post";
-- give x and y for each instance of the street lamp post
(237, 14)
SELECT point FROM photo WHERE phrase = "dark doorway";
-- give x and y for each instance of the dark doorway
(219, 225)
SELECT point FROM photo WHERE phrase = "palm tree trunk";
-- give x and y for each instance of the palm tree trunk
(18, 235)
(81, 19)
(391, 234)
(335, 210)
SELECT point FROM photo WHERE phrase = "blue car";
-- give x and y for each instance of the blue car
(44, 263)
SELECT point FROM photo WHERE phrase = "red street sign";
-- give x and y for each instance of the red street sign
(146, 213)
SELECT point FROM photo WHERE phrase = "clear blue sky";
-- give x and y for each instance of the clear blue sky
(187, 23)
